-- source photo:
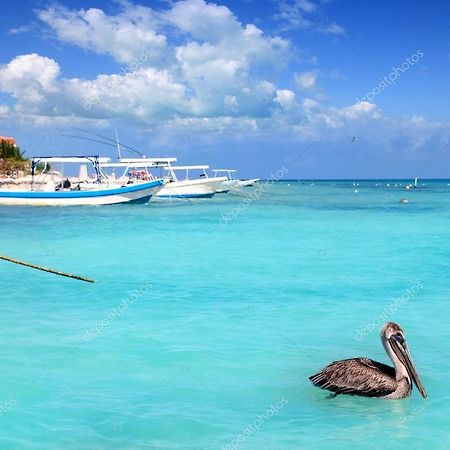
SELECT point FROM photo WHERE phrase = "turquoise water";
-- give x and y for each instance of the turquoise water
(205, 323)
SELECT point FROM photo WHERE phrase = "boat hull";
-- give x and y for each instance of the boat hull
(134, 193)
(189, 189)
(226, 185)
(247, 183)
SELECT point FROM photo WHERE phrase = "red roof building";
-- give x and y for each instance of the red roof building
(8, 140)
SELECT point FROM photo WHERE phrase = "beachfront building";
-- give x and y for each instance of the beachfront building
(12, 162)
(8, 140)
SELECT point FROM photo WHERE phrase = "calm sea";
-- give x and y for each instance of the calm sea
(208, 317)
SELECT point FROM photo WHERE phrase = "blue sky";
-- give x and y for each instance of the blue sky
(254, 85)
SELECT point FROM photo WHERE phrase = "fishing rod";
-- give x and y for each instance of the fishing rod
(98, 141)
(88, 139)
(111, 140)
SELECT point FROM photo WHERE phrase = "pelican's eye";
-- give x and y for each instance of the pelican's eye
(399, 338)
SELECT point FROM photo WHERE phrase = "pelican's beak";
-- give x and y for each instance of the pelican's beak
(398, 345)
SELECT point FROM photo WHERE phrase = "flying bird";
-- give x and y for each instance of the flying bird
(368, 378)
(354, 139)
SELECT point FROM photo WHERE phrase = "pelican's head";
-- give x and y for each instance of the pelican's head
(393, 338)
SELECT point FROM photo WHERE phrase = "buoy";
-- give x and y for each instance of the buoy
(404, 200)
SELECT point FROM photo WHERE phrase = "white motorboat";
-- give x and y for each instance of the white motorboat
(230, 181)
(98, 191)
(137, 170)
(248, 183)
(203, 187)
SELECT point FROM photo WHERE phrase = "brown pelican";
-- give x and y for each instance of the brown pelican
(369, 378)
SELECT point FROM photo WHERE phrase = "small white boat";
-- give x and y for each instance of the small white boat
(230, 181)
(100, 191)
(203, 187)
(248, 183)
(175, 187)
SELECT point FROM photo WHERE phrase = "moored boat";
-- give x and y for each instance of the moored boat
(176, 188)
(248, 183)
(230, 181)
(137, 170)
(100, 191)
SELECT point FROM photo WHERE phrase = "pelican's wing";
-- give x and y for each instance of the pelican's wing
(357, 376)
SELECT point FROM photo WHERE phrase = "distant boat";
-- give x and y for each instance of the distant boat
(204, 187)
(98, 191)
(231, 182)
(248, 183)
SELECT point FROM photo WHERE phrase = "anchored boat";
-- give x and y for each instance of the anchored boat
(203, 187)
(138, 170)
(230, 181)
(99, 190)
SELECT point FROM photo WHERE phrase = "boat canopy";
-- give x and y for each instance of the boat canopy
(149, 161)
(69, 159)
(201, 167)
(126, 165)
(224, 170)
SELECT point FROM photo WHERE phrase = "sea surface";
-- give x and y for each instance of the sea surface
(207, 318)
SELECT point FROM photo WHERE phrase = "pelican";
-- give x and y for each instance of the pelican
(368, 378)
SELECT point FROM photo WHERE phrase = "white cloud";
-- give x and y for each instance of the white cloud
(306, 80)
(19, 30)
(125, 36)
(304, 14)
(4, 110)
(30, 79)
(309, 103)
(285, 97)
(204, 21)
(217, 60)
(360, 109)
(292, 14)
(29, 70)
(208, 73)
(333, 28)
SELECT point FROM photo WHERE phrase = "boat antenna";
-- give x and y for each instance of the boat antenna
(110, 140)
(119, 155)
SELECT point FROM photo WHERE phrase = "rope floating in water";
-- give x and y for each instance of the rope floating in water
(46, 269)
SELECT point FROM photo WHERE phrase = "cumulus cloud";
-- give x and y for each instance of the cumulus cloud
(124, 36)
(360, 109)
(213, 67)
(204, 71)
(285, 97)
(204, 21)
